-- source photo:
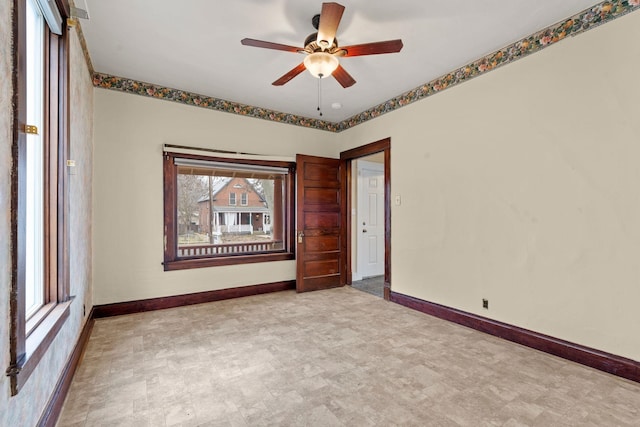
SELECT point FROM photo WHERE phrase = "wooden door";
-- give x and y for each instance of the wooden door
(321, 224)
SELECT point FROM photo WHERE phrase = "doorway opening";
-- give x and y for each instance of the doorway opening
(369, 217)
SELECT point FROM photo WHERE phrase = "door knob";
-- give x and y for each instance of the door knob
(364, 231)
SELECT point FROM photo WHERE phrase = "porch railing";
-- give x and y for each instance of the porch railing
(229, 248)
(236, 228)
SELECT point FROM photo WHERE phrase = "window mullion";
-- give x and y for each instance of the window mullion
(170, 209)
(60, 152)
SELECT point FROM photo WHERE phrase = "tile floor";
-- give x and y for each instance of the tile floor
(371, 285)
(330, 358)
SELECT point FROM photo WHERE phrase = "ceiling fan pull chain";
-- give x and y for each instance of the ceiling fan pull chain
(319, 93)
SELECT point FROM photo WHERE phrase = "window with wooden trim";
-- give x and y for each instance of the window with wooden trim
(204, 225)
(40, 283)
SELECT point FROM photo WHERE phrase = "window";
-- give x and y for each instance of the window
(202, 187)
(34, 192)
(40, 287)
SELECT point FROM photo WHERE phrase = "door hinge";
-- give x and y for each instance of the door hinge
(31, 129)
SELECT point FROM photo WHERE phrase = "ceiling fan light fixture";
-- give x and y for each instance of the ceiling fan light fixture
(321, 64)
(322, 49)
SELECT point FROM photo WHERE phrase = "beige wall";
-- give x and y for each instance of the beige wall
(522, 187)
(128, 240)
(26, 408)
(527, 195)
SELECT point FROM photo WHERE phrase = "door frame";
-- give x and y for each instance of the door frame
(347, 157)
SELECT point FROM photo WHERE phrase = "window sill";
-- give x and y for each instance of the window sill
(185, 264)
(37, 343)
(39, 317)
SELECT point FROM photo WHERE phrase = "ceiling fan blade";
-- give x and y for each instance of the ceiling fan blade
(389, 46)
(343, 77)
(290, 75)
(329, 21)
(269, 45)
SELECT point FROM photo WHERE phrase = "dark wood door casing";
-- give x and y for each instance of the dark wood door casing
(381, 146)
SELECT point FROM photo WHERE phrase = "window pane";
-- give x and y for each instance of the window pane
(211, 222)
(34, 268)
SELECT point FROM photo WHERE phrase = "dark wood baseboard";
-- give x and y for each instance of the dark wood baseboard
(139, 306)
(52, 411)
(607, 362)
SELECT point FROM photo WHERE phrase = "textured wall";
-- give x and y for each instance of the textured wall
(25, 408)
(5, 198)
(521, 186)
(81, 178)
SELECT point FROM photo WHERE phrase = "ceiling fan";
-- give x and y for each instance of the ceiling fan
(322, 48)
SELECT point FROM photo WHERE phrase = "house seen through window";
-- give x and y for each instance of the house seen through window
(210, 227)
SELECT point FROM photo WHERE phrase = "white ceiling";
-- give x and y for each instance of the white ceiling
(194, 45)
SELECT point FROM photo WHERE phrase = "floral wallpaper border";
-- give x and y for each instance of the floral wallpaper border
(581, 22)
(122, 84)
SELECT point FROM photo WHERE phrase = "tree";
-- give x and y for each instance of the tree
(191, 188)
(264, 187)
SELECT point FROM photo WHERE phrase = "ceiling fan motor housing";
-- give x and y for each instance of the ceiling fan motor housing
(311, 44)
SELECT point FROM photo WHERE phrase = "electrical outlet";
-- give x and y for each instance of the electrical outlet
(84, 310)
(485, 303)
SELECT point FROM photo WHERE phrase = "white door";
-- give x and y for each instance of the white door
(370, 219)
